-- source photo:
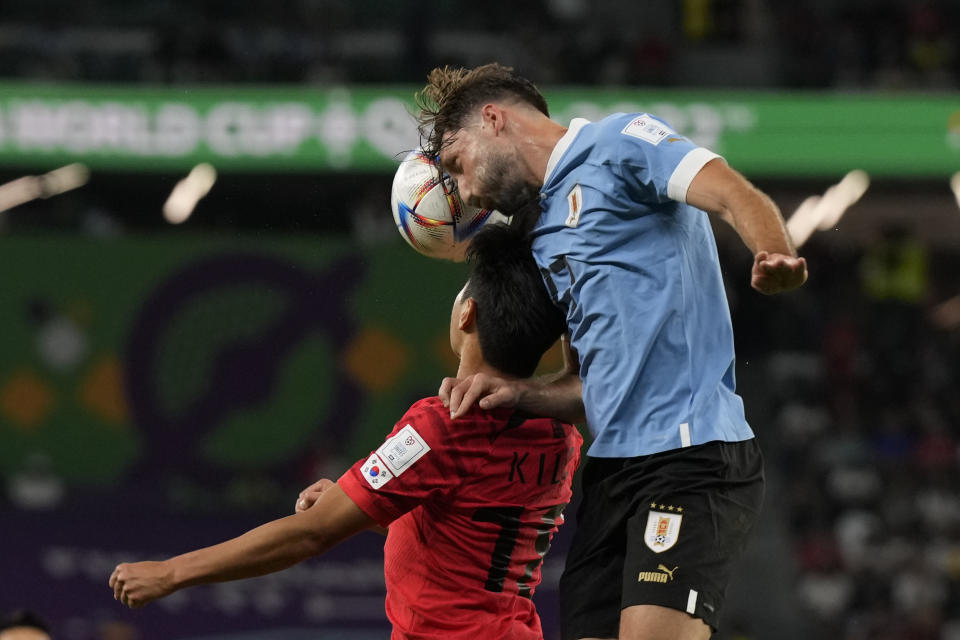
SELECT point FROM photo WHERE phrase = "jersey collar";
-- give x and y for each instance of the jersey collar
(563, 144)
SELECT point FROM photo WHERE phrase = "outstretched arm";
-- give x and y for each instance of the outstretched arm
(266, 549)
(720, 190)
(309, 496)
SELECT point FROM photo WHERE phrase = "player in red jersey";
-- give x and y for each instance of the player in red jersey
(471, 504)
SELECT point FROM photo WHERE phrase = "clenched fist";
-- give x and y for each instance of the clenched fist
(138, 583)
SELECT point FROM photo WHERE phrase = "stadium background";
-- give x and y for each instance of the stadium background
(166, 386)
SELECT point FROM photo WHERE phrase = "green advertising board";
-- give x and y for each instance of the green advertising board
(368, 128)
(214, 353)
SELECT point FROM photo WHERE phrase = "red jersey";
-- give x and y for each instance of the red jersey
(472, 505)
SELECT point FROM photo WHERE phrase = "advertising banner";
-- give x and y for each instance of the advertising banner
(369, 128)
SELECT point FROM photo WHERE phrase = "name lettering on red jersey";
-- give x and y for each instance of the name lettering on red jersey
(549, 469)
(403, 449)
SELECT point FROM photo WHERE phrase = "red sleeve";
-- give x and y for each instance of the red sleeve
(416, 463)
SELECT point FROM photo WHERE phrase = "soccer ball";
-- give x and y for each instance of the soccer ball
(430, 216)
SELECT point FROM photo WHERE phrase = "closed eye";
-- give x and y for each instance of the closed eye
(450, 164)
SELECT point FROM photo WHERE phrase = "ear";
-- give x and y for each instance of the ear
(492, 115)
(468, 315)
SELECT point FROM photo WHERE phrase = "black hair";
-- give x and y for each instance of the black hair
(23, 618)
(452, 94)
(516, 319)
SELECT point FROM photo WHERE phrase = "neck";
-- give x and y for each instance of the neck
(471, 362)
(540, 135)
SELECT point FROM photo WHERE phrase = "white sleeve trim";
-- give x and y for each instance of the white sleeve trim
(683, 175)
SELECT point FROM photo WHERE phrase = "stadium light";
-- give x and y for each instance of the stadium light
(824, 212)
(188, 192)
(955, 186)
(53, 183)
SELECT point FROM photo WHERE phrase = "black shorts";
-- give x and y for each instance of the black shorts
(663, 529)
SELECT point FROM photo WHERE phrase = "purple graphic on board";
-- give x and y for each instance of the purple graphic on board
(244, 374)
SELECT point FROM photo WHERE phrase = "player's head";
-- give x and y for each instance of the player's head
(506, 303)
(24, 625)
(462, 123)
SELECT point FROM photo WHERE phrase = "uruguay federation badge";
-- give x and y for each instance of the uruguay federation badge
(662, 531)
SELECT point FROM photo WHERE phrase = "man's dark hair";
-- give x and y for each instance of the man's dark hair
(453, 94)
(516, 319)
(23, 618)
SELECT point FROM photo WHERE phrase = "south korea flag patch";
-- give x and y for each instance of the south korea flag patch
(663, 529)
(375, 472)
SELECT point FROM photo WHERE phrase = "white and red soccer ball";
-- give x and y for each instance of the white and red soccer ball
(429, 214)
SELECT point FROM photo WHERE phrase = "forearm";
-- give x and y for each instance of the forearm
(758, 221)
(270, 547)
(554, 396)
(720, 190)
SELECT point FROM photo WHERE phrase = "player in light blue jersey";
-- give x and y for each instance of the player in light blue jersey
(673, 481)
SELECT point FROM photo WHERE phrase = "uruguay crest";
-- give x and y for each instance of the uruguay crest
(662, 530)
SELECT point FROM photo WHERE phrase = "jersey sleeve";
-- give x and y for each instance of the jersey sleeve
(656, 163)
(416, 463)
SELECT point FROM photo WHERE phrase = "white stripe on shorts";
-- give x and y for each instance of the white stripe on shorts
(692, 602)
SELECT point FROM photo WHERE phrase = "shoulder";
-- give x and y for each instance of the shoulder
(432, 420)
(431, 406)
(631, 127)
(620, 137)
(642, 133)
(428, 416)
(597, 135)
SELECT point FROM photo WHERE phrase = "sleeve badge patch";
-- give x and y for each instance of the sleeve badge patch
(375, 472)
(648, 129)
(402, 450)
(575, 200)
(662, 530)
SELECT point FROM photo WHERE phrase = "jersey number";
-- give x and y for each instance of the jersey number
(508, 519)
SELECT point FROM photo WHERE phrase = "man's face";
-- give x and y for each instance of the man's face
(488, 174)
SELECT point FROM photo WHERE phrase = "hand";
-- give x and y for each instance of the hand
(946, 315)
(136, 584)
(487, 391)
(776, 272)
(310, 495)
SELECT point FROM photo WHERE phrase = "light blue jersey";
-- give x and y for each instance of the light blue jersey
(637, 272)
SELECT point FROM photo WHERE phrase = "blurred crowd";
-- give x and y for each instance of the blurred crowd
(885, 44)
(863, 409)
